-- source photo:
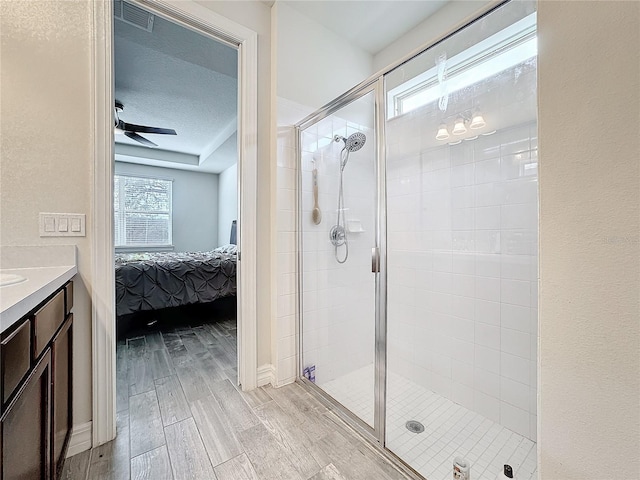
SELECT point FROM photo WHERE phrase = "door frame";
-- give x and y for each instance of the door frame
(195, 17)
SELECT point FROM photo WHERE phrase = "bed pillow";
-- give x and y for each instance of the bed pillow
(229, 249)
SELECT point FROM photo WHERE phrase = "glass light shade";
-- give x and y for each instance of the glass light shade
(458, 127)
(443, 133)
(477, 121)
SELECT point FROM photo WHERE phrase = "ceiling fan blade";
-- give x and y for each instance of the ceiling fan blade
(139, 138)
(130, 127)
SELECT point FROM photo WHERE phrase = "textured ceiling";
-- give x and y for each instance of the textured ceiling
(371, 25)
(176, 78)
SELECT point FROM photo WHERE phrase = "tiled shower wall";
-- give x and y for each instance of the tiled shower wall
(284, 330)
(462, 255)
(338, 299)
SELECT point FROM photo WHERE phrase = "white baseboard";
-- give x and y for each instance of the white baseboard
(80, 439)
(266, 375)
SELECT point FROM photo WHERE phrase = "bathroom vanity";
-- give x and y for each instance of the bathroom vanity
(35, 371)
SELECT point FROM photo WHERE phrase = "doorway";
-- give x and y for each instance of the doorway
(199, 19)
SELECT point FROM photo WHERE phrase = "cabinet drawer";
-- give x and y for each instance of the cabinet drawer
(15, 358)
(46, 322)
(68, 297)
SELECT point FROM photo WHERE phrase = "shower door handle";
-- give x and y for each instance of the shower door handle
(375, 260)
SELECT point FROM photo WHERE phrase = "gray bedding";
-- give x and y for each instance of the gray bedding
(150, 281)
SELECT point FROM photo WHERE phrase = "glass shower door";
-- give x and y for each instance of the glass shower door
(461, 170)
(338, 227)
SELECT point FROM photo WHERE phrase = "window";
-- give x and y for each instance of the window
(510, 46)
(142, 208)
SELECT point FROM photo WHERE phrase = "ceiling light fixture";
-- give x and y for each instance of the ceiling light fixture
(458, 127)
(443, 133)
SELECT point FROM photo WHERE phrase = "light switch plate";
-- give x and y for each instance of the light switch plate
(62, 224)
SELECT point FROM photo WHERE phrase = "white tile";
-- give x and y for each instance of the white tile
(286, 305)
(286, 347)
(487, 171)
(487, 218)
(462, 373)
(487, 359)
(516, 267)
(515, 393)
(488, 288)
(463, 329)
(441, 365)
(463, 307)
(515, 317)
(522, 215)
(286, 325)
(463, 285)
(462, 394)
(488, 265)
(463, 218)
(514, 419)
(463, 263)
(487, 312)
(461, 351)
(487, 382)
(487, 406)
(515, 368)
(515, 342)
(487, 194)
(487, 335)
(489, 241)
(533, 427)
(516, 292)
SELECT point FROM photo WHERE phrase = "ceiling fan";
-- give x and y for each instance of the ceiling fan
(131, 130)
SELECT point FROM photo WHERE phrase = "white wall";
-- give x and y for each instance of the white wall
(314, 64)
(227, 202)
(195, 204)
(452, 15)
(44, 73)
(589, 83)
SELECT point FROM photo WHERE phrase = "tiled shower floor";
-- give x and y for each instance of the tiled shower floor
(451, 430)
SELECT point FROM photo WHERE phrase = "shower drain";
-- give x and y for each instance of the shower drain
(414, 426)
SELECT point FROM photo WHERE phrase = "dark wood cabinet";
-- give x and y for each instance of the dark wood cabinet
(25, 437)
(36, 385)
(62, 420)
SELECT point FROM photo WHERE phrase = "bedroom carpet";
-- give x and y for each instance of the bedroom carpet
(180, 416)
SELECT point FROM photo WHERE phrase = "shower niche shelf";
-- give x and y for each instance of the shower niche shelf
(354, 226)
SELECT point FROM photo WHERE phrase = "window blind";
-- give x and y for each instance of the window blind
(142, 209)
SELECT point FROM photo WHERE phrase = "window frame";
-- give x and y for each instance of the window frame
(136, 247)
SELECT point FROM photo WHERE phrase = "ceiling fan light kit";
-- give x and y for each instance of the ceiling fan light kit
(131, 130)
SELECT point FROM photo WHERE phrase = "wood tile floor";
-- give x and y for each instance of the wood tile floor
(180, 416)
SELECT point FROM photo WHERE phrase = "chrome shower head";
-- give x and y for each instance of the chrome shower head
(354, 142)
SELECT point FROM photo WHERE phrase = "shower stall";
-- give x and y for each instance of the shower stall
(418, 215)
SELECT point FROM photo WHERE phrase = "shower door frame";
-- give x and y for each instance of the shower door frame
(377, 433)
(376, 82)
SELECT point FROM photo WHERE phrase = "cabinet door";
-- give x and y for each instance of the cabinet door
(26, 428)
(62, 422)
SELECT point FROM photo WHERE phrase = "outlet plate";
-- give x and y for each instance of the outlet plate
(62, 224)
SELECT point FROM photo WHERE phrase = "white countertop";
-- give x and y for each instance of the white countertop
(19, 299)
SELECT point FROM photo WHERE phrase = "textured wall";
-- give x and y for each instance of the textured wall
(589, 124)
(45, 155)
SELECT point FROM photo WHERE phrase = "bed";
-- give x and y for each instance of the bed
(155, 280)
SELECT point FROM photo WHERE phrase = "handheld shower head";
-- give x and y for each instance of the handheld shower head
(353, 143)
